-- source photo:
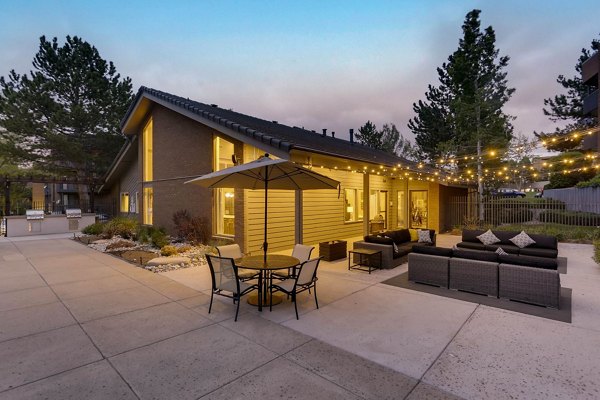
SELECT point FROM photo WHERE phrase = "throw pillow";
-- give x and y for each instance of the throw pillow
(424, 236)
(522, 240)
(394, 244)
(413, 235)
(488, 238)
(501, 252)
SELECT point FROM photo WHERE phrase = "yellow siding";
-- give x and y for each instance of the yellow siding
(281, 220)
(434, 206)
(324, 212)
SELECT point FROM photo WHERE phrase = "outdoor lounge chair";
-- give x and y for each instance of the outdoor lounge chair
(302, 253)
(234, 251)
(225, 278)
(304, 280)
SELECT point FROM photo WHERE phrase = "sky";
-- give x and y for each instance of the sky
(314, 64)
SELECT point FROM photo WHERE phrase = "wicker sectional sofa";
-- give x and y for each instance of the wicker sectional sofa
(528, 279)
(383, 242)
(545, 245)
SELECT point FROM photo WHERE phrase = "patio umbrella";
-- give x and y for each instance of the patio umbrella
(266, 173)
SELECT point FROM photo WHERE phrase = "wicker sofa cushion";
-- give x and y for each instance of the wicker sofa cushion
(470, 235)
(530, 261)
(398, 236)
(534, 251)
(544, 242)
(471, 245)
(431, 250)
(476, 255)
(378, 239)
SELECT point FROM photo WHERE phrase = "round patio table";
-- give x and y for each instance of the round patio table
(273, 262)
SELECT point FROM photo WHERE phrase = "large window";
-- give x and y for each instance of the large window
(353, 205)
(401, 209)
(148, 204)
(418, 208)
(378, 210)
(147, 173)
(224, 198)
(124, 202)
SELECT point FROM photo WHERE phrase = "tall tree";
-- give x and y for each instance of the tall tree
(389, 138)
(465, 110)
(568, 107)
(63, 117)
(369, 135)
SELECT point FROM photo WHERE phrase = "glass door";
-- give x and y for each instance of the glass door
(418, 208)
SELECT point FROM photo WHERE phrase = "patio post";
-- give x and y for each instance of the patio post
(265, 244)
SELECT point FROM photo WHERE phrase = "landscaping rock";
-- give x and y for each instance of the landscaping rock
(168, 260)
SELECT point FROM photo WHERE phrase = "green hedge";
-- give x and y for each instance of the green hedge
(597, 251)
(582, 234)
(570, 218)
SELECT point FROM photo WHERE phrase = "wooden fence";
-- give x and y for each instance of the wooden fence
(577, 199)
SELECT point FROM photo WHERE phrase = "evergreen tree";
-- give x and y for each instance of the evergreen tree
(569, 107)
(63, 117)
(465, 111)
(389, 138)
(369, 135)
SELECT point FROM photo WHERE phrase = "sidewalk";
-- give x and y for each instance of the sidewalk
(76, 323)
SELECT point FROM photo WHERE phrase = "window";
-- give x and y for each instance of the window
(418, 208)
(148, 204)
(224, 198)
(124, 202)
(147, 152)
(134, 207)
(353, 205)
(378, 210)
(401, 209)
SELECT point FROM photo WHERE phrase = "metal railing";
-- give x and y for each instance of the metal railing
(499, 211)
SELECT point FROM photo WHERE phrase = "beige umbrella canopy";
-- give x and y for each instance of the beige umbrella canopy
(266, 173)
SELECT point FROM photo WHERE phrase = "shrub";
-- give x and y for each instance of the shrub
(168, 250)
(597, 250)
(191, 229)
(143, 234)
(516, 216)
(159, 238)
(594, 182)
(122, 226)
(571, 233)
(183, 249)
(571, 218)
(94, 229)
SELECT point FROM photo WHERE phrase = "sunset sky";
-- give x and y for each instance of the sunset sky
(317, 64)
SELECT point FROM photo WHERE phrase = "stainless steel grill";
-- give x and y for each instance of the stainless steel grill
(34, 214)
(73, 212)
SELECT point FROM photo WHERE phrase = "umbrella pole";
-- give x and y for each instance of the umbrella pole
(265, 244)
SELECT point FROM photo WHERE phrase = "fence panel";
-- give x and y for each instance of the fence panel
(499, 211)
(577, 199)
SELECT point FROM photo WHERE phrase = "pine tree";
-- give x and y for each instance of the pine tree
(389, 138)
(63, 117)
(464, 112)
(369, 135)
(569, 107)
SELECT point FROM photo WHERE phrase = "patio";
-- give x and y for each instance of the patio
(78, 323)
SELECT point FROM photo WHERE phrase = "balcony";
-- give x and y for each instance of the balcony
(590, 69)
(590, 104)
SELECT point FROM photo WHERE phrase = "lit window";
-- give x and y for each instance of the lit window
(401, 217)
(124, 202)
(148, 204)
(147, 149)
(134, 206)
(353, 205)
(224, 198)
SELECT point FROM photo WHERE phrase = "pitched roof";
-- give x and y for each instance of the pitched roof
(280, 136)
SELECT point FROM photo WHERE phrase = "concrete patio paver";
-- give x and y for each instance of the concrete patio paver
(26, 298)
(97, 381)
(34, 357)
(72, 290)
(112, 303)
(119, 333)
(29, 320)
(505, 355)
(190, 365)
(283, 379)
(406, 335)
(363, 377)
